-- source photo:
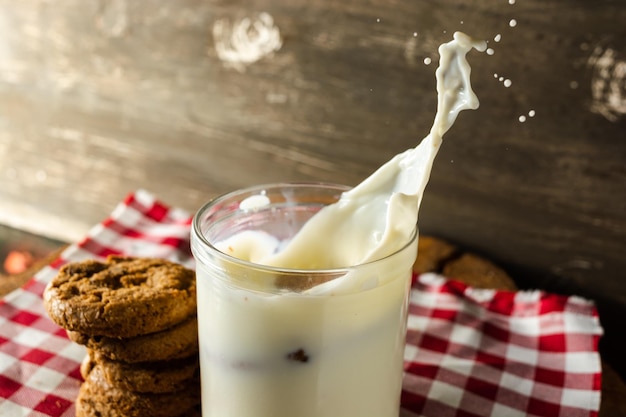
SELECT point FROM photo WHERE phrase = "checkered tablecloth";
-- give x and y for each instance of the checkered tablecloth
(469, 352)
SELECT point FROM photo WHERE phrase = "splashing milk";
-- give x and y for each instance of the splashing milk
(377, 217)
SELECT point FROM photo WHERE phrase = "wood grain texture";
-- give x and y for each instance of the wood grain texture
(101, 97)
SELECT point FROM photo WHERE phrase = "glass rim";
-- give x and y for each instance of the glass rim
(199, 237)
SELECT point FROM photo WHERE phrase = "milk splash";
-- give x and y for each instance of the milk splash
(378, 216)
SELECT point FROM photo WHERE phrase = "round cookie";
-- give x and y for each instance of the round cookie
(97, 397)
(432, 253)
(147, 377)
(122, 297)
(179, 341)
(86, 409)
(478, 272)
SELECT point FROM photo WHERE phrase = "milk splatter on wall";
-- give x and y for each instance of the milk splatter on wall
(245, 41)
(608, 83)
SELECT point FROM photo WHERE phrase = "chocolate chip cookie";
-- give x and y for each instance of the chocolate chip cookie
(121, 297)
(154, 377)
(179, 341)
(97, 397)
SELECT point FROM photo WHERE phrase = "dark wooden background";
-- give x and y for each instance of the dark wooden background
(99, 98)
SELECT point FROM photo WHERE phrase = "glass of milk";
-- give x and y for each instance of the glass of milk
(287, 342)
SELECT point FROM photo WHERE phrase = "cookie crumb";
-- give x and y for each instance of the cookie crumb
(298, 356)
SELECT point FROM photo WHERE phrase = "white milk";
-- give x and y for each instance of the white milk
(336, 349)
(294, 354)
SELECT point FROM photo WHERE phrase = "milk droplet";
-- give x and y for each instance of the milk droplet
(427, 61)
(513, 23)
(505, 81)
(461, 22)
(254, 202)
(415, 34)
(522, 118)
(490, 51)
(378, 20)
(531, 113)
(511, 1)
(497, 38)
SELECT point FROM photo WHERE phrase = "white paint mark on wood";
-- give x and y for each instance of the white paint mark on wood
(246, 41)
(608, 83)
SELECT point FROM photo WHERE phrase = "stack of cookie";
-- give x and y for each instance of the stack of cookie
(137, 318)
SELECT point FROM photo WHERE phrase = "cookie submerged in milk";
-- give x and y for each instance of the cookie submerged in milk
(121, 297)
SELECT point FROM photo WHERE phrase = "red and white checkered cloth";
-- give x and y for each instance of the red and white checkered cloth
(469, 352)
